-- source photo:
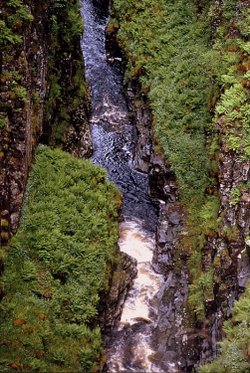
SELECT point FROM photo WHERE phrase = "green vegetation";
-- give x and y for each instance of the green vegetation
(57, 265)
(235, 348)
(12, 22)
(235, 196)
(66, 86)
(201, 287)
(233, 109)
(16, 15)
(61, 261)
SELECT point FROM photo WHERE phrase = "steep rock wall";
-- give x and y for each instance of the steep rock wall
(25, 68)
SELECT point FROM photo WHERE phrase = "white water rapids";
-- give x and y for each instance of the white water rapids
(139, 245)
(140, 306)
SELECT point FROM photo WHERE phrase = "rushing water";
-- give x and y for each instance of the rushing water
(114, 139)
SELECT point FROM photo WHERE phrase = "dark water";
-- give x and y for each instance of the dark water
(114, 139)
(114, 136)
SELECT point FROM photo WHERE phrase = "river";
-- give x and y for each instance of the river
(114, 139)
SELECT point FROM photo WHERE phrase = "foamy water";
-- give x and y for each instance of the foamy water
(140, 245)
(140, 306)
(136, 242)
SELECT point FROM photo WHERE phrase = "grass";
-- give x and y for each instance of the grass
(57, 265)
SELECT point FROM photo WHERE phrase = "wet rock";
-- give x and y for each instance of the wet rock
(143, 148)
(161, 237)
(170, 329)
(79, 141)
(174, 218)
(112, 303)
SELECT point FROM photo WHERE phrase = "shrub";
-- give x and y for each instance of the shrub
(57, 265)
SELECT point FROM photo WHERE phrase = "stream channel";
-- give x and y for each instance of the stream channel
(114, 140)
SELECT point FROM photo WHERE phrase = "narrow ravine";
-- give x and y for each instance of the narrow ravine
(114, 140)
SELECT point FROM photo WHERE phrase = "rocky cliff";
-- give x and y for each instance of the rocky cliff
(188, 74)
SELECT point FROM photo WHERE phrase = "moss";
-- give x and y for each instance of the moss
(58, 264)
(4, 223)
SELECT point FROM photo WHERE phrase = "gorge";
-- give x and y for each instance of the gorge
(162, 103)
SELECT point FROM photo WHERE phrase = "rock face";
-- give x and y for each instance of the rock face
(180, 340)
(25, 116)
(26, 74)
(229, 251)
(170, 336)
(122, 279)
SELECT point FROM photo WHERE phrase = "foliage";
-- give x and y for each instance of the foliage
(235, 195)
(12, 22)
(3, 121)
(201, 279)
(235, 348)
(66, 86)
(57, 265)
(168, 48)
(7, 36)
(201, 290)
(15, 16)
(233, 109)
(232, 113)
(19, 93)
